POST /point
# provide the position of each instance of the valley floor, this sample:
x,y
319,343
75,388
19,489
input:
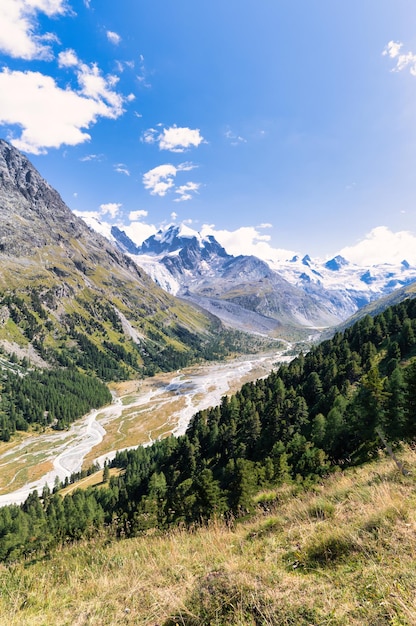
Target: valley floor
x,y
143,410
341,554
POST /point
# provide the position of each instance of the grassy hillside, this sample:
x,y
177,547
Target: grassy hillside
x,y
342,553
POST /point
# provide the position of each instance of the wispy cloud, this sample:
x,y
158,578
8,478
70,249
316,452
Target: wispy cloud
x,y
19,27
120,168
113,37
174,138
91,157
402,60
143,74
185,191
233,138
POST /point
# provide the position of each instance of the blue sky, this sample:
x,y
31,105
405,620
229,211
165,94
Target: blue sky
x,y
277,125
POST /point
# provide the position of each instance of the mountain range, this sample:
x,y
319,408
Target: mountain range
x,y
250,294
71,296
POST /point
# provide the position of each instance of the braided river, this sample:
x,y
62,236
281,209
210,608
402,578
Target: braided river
x,y
142,411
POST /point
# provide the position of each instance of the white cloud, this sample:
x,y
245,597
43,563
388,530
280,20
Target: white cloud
x,y
18,27
50,116
88,214
137,215
143,73
185,191
187,166
68,58
174,215
139,231
174,139
403,61
247,240
381,245
122,169
94,85
161,179
113,37
110,208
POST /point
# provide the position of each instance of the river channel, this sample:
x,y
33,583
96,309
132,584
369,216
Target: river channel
x,y
141,412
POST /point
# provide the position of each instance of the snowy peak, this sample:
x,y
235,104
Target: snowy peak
x,y
170,240
336,263
177,238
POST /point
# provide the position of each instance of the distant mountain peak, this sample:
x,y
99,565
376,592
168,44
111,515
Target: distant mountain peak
x,y
336,263
179,237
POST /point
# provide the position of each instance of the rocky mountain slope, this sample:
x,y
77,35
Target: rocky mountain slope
x,y
70,297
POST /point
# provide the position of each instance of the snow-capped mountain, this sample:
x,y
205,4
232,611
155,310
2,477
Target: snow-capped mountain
x,y
244,291
250,294
359,285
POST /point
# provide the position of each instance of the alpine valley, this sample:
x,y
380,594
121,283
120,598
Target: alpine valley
x,y
278,506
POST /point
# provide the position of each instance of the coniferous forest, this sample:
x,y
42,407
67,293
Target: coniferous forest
x,y
327,409
47,398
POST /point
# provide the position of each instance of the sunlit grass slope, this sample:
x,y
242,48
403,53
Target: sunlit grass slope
x,y
343,553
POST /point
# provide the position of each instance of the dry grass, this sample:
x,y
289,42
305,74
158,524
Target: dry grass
x,y
342,554
94,480
138,425
22,471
